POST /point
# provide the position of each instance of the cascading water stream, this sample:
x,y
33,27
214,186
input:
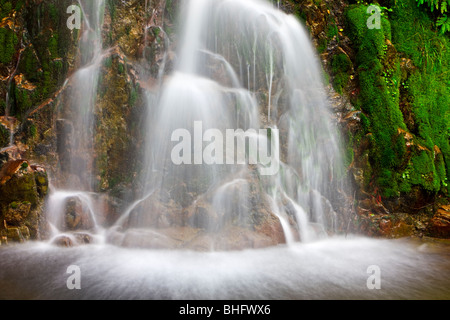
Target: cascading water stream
x,y
84,83
281,89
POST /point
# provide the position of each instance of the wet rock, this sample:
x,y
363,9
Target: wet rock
x,y
3,240
77,215
440,223
23,187
358,177
385,225
17,182
14,234
154,212
182,195
63,241
271,227
73,239
17,213
203,216
41,180
396,225
235,238
229,238
374,205
146,238
83,238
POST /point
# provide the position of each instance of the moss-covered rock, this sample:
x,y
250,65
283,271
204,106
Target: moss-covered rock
x,y
23,189
36,53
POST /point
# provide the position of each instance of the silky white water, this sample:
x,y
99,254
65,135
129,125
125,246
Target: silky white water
x,y
79,182
242,66
327,269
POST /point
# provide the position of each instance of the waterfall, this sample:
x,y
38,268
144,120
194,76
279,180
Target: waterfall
x,y
207,95
229,155
246,72
80,119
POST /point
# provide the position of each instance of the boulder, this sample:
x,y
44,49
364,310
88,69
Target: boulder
x,y
77,215
439,225
63,241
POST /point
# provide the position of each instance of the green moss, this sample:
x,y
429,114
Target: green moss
x,y
33,130
19,4
29,65
424,173
121,68
427,89
340,68
424,88
112,9
133,96
53,46
4,136
332,31
379,78
53,12
5,9
8,42
107,62
22,102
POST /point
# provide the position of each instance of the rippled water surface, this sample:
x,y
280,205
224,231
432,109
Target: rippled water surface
x,y
329,269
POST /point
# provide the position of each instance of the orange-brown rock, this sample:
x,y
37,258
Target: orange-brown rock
x,y
440,223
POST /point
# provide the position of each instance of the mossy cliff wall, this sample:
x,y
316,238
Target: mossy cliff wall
x,y
394,83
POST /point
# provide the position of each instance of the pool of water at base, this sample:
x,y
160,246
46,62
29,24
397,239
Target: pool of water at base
x,y
333,268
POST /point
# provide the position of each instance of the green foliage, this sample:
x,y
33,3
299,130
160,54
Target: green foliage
x,y
443,23
439,7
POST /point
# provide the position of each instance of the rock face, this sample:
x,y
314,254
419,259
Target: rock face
x,y
23,187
